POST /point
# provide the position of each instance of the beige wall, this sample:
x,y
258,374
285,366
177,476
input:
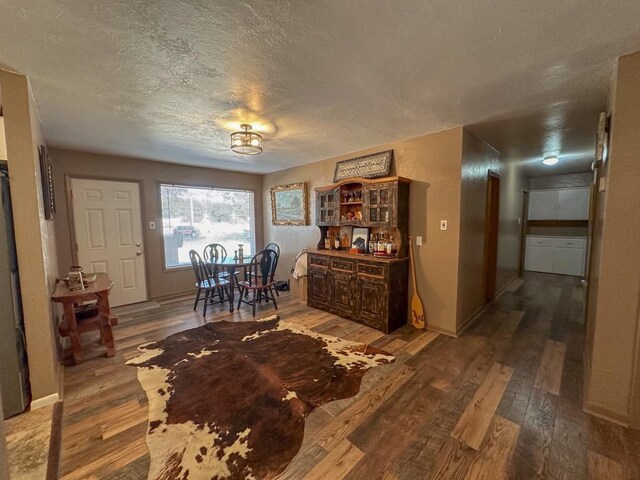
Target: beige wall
x,y
581,179
432,162
35,237
512,185
4,458
477,159
614,287
160,282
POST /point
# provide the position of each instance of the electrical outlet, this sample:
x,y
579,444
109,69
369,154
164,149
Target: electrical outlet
x,y
418,240
443,224
152,225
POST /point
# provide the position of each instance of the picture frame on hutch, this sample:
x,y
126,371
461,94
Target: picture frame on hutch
x,y
360,239
290,204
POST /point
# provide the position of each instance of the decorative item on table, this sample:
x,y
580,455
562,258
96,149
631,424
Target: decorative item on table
x,y
74,278
235,255
369,166
290,204
360,239
240,253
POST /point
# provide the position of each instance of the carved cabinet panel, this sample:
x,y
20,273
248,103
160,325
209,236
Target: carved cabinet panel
x,y
318,285
368,291
343,293
372,301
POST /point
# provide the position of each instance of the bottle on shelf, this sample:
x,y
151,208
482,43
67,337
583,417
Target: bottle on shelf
x,y
381,247
371,246
394,247
388,245
336,242
327,243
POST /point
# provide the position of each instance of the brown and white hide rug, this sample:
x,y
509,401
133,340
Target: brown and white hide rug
x,y
228,400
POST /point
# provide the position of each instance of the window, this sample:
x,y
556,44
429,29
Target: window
x,y
194,217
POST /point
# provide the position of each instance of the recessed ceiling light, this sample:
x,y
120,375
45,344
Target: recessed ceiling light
x,y
550,160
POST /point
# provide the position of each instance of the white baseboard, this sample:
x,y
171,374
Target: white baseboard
x,y
44,401
605,413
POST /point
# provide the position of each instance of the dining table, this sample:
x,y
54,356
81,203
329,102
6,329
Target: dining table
x,y
232,266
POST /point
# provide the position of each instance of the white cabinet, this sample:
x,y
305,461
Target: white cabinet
x,y
561,204
562,255
573,204
543,204
568,261
539,259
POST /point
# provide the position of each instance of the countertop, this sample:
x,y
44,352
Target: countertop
x,y
353,256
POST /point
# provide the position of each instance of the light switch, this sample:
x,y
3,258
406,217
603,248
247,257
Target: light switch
x,y
443,224
418,240
152,225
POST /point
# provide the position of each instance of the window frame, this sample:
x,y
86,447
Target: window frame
x,y
160,184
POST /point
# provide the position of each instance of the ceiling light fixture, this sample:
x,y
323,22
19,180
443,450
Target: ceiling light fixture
x,y
245,142
550,160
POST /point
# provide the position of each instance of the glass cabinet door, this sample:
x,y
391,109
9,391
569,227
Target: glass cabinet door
x,y
380,205
327,207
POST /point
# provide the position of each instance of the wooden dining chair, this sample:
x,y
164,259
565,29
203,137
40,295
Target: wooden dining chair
x,y
276,248
209,282
260,281
213,253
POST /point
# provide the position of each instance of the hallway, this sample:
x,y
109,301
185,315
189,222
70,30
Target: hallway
x,y
501,401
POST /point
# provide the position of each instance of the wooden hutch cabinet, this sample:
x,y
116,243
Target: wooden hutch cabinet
x,y
361,287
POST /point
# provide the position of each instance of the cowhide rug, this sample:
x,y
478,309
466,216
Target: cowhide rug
x,y
228,400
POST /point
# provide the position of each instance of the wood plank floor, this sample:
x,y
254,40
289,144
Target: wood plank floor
x,y
501,401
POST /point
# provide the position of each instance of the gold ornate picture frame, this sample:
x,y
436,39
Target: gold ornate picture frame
x,y
290,204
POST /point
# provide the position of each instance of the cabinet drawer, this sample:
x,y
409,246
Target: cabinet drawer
x,y
318,261
542,241
572,242
371,270
342,265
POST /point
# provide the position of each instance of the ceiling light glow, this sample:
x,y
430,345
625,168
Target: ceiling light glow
x,y
550,160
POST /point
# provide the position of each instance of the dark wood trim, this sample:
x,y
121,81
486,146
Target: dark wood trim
x,y
55,443
558,223
523,229
361,180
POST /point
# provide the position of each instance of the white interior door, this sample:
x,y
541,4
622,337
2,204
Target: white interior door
x,y
108,228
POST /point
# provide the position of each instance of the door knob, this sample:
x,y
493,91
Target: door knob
x,y
138,253
138,244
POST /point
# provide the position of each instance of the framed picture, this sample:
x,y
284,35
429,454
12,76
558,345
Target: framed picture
x,y
290,204
48,194
360,238
369,166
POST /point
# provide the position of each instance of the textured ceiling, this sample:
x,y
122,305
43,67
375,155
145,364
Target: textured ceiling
x,y
170,79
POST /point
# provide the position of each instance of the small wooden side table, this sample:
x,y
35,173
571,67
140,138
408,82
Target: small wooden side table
x,y
72,327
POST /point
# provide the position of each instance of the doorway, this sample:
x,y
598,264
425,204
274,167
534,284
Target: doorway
x,y
491,228
108,231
